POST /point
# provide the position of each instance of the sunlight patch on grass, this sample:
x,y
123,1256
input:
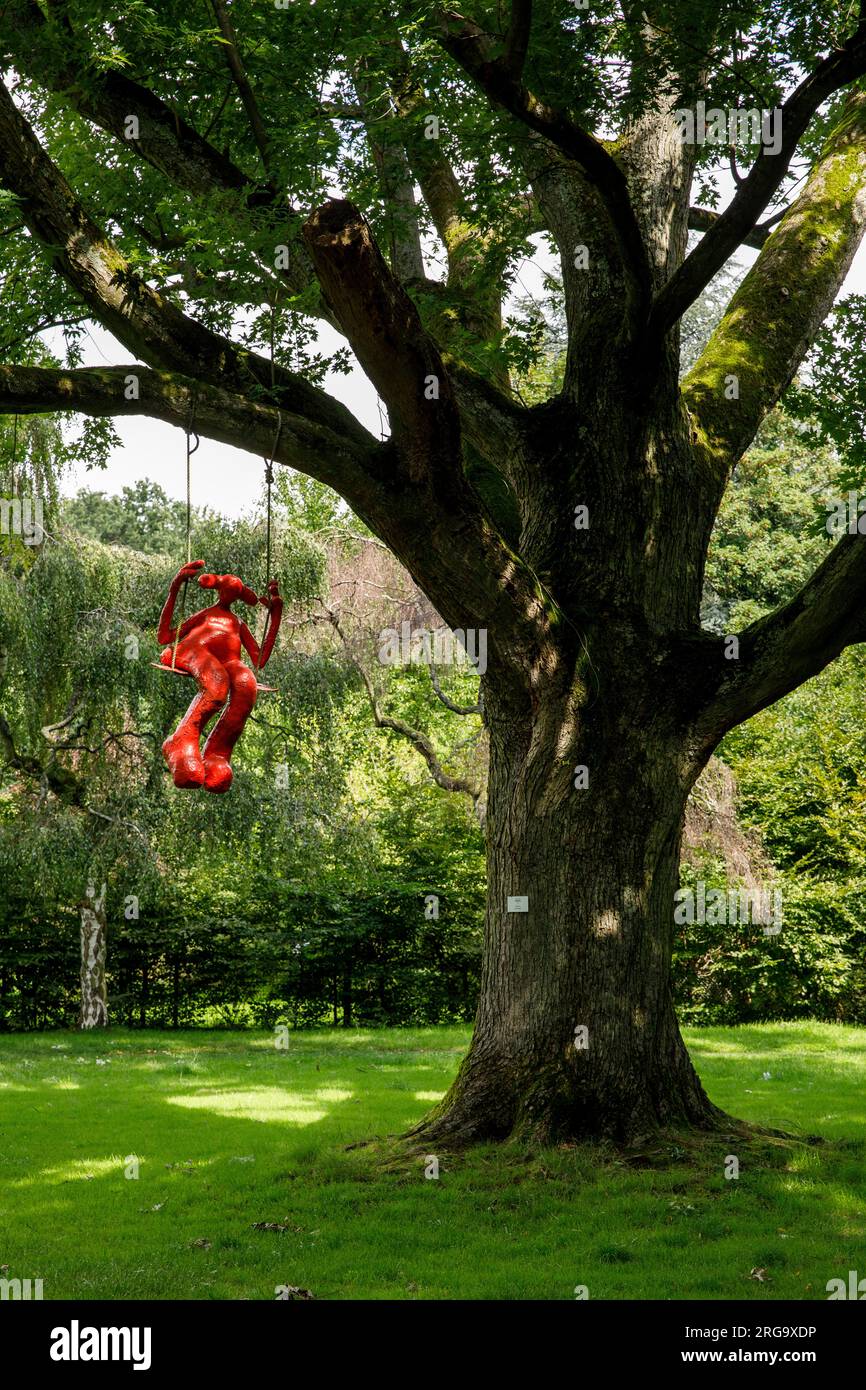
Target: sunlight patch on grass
x,y
76,1170
264,1104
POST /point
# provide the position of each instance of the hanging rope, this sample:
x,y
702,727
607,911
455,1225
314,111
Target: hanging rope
x,y
13,479
269,462
190,450
269,480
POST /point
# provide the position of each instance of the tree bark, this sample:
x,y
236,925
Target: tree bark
x,y
94,995
599,867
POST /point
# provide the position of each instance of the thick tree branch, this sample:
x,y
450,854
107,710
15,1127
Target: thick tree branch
x,y
165,140
476,256
491,421
466,247
773,317
840,68
571,210
358,473
383,327
781,651
470,47
436,177
456,555
458,558
140,318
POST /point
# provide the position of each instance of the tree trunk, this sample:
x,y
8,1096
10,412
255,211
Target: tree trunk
x,y
94,997
575,1033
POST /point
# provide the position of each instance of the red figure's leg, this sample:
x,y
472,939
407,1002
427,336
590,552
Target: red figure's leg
x,y
218,749
181,751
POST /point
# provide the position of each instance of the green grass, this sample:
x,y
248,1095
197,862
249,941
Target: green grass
x,y
228,1131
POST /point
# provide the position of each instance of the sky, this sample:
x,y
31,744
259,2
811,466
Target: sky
x,y
229,480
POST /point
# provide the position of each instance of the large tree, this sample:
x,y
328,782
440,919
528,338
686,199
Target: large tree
x,y
174,171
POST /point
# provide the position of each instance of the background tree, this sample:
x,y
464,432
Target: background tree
x,y
141,518
186,205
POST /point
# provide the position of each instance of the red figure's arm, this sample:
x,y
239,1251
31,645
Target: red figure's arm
x,y
274,605
251,645
166,632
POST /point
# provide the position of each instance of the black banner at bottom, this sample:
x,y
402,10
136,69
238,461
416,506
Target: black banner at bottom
x,y
63,1339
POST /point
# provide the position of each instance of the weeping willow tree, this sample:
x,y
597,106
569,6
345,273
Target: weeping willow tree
x,y
83,714
76,718
209,183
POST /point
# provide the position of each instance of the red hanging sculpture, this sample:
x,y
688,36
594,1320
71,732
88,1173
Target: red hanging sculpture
x,y
209,648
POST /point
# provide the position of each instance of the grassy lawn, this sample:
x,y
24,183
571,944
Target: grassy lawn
x,y
228,1131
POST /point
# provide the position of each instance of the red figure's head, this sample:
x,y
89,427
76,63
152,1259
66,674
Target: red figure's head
x,y
230,588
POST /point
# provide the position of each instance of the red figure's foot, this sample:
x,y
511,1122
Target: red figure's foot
x,y
184,761
217,774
